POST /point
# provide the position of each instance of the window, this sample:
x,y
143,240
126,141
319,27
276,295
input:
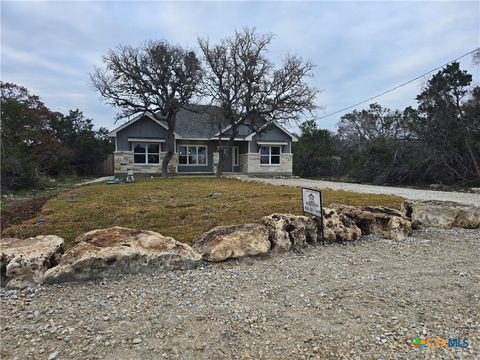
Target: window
x,y
270,155
192,155
145,153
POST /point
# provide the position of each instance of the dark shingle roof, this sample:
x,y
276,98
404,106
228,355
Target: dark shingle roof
x,y
199,121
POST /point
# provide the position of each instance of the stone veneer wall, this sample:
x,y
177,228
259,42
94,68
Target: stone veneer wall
x,y
250,164
123,161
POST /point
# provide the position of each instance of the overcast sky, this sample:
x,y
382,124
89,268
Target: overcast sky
x,y
360,49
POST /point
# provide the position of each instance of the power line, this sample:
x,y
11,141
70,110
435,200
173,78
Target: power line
x,y
398,86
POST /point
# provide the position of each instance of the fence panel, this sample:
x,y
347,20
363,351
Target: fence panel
x,y
104,167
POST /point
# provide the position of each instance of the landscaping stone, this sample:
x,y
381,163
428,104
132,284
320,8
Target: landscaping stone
x,y
378,220
444,214
24,261
338,227
226,242
331,302
118,250
287,231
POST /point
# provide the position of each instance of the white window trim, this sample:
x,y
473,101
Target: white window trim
x,y
270,155
195,146
271,143
146,153
144,140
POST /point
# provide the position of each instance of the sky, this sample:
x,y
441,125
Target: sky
x,y
359,49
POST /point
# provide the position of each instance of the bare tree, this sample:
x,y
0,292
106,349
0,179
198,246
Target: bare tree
x,y
243,82
156,78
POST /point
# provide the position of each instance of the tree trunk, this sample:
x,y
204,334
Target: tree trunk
x,y
169,144
221,163
472,156
222,159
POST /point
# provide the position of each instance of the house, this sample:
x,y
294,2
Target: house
x,y
140,146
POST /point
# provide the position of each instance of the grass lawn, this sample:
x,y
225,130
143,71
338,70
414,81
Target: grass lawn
x,y
178,207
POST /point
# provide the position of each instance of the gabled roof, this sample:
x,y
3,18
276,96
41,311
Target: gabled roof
x,y
200,122
292,136
163,124
197,121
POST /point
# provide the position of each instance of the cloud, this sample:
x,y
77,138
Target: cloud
x,y
360,48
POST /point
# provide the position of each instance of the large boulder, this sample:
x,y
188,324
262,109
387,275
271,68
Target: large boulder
x,y
378,220
24,261
287,231
443,214
118,250
338,227
224,242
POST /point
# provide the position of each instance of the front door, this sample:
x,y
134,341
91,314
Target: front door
x,y
231,156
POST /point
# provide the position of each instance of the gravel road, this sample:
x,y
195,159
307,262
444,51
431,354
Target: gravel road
x,y
407,193
363,301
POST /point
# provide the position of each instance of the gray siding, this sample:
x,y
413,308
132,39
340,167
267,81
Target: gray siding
x,y
143,128
245,130
243,147
211,146
273,134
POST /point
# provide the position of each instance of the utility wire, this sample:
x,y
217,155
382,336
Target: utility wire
x,y
398,86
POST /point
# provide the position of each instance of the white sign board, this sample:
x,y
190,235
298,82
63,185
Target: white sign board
x,y
312,202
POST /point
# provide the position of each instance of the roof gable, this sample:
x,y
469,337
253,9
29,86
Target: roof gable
x,y
114,132
200,122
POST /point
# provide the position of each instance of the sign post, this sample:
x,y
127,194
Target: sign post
x,y
313,204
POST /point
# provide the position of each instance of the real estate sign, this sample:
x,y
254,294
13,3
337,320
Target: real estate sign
x,y
312,202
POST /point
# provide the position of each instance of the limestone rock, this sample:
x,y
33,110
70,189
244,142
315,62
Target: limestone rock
x,y
224,242
378,220
443,214
118,250
287,230
338,227
24,261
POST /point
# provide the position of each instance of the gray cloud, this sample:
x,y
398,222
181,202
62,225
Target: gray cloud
x,y
359,48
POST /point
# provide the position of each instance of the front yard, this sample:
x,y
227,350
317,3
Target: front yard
x,y
178,207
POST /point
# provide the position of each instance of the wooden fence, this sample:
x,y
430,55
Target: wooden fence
x,y
104,167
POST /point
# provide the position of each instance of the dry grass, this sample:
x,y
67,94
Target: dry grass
x,y
178,207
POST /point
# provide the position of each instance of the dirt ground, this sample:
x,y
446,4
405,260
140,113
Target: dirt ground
x,y
22,210
363,301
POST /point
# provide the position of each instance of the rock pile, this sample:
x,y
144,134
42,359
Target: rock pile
x,y
378,220
24,261
290,231
118,250
224,242
338,227
442,214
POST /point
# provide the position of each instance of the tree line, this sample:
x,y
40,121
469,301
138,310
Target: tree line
x,y
37,142
438,142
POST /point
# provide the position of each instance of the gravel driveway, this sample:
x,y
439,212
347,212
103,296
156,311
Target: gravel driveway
x,y
411,194
363,301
